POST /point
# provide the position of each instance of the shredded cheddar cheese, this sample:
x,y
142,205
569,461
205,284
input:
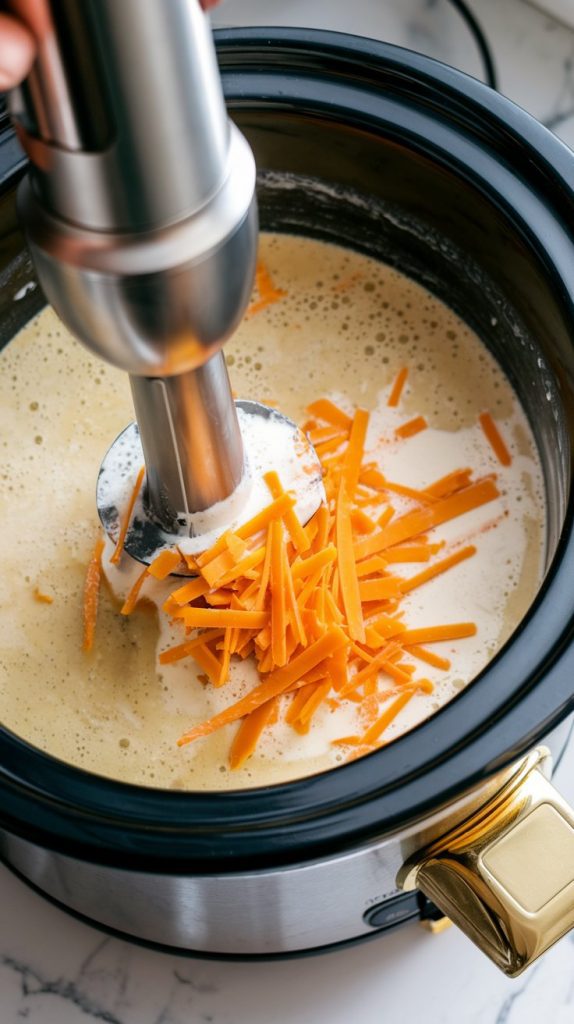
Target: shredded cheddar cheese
x,y
318,607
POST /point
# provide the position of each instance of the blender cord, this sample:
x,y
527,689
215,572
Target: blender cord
x,y
481,41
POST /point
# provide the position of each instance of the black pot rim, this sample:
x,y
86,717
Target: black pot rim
x,y
522,695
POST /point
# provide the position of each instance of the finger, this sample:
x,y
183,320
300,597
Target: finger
x,y
17,52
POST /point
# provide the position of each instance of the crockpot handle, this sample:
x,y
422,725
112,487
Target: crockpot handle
x,y
505,876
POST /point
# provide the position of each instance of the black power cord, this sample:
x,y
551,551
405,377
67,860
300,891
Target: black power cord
x,y
481,41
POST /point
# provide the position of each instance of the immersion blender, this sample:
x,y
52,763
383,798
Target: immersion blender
x,y
141,218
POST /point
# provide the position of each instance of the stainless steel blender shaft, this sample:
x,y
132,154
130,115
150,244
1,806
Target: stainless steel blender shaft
x,y
141,219
205,460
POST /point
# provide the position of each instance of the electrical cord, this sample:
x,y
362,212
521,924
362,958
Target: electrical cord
x,y
480,40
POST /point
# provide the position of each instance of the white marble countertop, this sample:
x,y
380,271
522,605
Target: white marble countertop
x,y
56,970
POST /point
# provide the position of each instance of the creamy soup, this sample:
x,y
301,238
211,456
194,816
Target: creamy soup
x,y
344,328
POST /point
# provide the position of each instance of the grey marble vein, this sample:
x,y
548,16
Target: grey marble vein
x,y
93,955
508,1004
569,998
33,984
182,1000
563,107
105,973
203,987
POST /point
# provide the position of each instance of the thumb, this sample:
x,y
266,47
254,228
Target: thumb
x,y
17,51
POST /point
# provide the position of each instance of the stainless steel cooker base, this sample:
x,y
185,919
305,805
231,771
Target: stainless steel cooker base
x,y
287,910
405,909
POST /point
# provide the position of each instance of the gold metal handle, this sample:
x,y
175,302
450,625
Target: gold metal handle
x,y
505,876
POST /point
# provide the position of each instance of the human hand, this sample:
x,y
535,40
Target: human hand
x,y
18,48
17,51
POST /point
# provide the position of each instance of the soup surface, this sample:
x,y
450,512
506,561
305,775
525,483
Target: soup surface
x,y
343,330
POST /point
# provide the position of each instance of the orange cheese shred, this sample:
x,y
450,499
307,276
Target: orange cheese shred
x,y
268,293
431,634
278,604
439,567
409,553
184,650
304,567
361,522
249,731
91,594
295,619
347,568
298,701
323,525
276,510
250,561
165,563
411,427
449,484
277,682
354,451
414,523
223,617
371,565
207,660
494,438
318,435
294,528
373,733
397,388
132,598
379,589
429,657
225,656
313,702
189,592
117,554
326,410
265,575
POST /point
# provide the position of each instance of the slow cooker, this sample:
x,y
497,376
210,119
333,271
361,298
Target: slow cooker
x,y
418,165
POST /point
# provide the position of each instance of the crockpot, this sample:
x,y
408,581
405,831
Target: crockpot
x,y
416,164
